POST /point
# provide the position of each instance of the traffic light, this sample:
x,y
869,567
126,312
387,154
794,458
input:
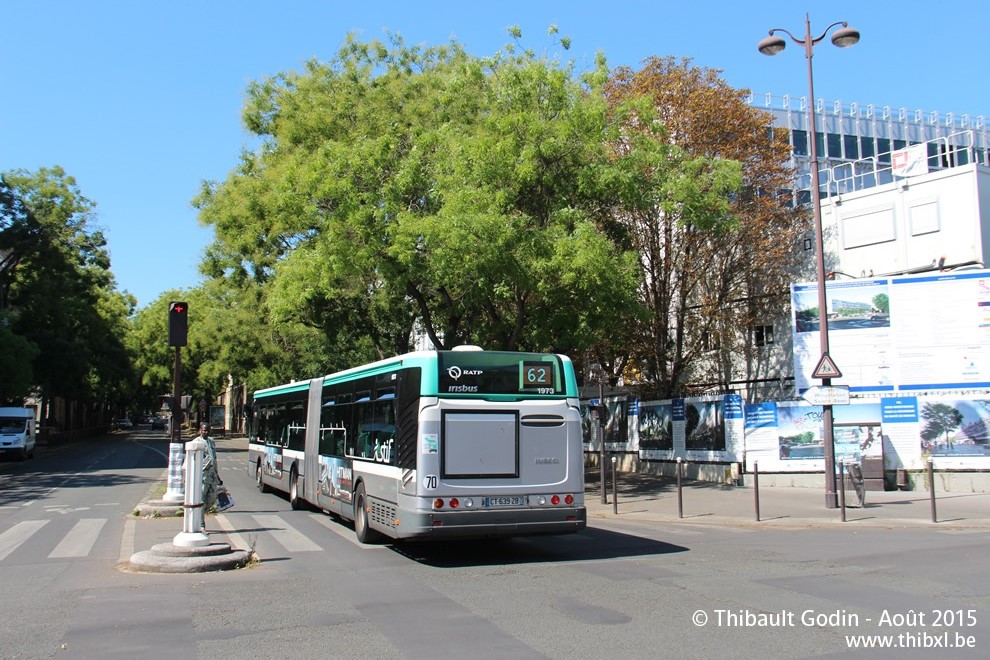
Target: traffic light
x,y
178,323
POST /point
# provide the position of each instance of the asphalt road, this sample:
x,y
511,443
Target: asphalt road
x,y
620,589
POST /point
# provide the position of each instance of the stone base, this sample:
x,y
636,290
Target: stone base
x,y
160,508
170,558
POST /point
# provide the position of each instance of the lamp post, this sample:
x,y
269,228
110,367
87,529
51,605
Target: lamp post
x,y
771,45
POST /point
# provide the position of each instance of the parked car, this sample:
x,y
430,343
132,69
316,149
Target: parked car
x,y
123,423
157,423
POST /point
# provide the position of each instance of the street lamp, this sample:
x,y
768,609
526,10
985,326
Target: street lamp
x,y
771,45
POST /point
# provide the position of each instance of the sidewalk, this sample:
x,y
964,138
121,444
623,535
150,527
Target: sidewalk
x,y
643,497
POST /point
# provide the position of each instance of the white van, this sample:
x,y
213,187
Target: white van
x,y
17,432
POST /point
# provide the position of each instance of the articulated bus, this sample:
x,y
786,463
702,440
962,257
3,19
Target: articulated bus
x,y
434,444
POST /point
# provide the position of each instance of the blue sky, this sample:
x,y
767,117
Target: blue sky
x,y
140,101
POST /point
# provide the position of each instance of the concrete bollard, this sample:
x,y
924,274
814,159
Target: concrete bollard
x,y
756,488
931,487
615,490
191,535
174,492
842,490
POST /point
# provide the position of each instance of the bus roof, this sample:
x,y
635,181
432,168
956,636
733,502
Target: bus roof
x,y
414,359
381,366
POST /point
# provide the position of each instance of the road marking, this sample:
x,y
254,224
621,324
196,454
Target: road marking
x,y
80,539
657,529
127,540
236,540
342,531
58,508
286,535
18,534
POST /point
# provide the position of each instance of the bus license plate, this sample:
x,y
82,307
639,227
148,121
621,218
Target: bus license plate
x,y
494,502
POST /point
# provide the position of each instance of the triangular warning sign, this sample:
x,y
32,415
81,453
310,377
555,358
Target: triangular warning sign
x,y
826,368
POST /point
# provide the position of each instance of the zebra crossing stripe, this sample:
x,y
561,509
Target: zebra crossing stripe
x,y
343,532
233,536
286,535
18,534
80,539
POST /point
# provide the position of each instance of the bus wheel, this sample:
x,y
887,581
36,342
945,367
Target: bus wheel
x,y
361,529
294,500
258,478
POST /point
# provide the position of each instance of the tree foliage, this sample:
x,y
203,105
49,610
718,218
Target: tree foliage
x,y
60,297
717,246
401,187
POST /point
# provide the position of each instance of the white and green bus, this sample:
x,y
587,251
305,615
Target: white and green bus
x,y
434,444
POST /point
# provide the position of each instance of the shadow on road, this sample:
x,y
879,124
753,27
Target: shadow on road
x,y
591,544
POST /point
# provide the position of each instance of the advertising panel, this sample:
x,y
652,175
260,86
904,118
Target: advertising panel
x,y
895,334
703,429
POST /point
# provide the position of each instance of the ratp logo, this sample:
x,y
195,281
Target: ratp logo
x,y
456,372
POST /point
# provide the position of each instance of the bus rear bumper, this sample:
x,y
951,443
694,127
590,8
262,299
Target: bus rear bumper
x,y
487,524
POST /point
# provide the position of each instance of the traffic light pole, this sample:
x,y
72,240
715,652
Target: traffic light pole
x,y
176,430
176,450
178,331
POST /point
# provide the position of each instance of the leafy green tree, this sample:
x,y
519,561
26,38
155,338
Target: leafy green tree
x,y
61,293
233,341
718,248
20,236
881,302
401,186
16,355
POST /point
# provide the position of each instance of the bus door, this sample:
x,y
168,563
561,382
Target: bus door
x,y
546,430
333,490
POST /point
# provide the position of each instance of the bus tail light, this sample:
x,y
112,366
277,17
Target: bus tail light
x,y
553,500
453,503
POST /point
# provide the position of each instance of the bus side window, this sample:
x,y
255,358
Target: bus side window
x,y
362,444
384,430
332,441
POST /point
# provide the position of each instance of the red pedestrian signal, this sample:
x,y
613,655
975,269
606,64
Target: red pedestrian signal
x,y
178,323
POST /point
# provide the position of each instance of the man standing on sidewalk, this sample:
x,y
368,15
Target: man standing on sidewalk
x,y
211,476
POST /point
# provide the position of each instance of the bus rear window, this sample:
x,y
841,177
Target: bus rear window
x,y
493,372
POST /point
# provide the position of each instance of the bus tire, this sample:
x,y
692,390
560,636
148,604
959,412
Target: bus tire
x,y
361,529
259,478
294,500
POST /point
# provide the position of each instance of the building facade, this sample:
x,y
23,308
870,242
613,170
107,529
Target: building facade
x,y
902,191
855,142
